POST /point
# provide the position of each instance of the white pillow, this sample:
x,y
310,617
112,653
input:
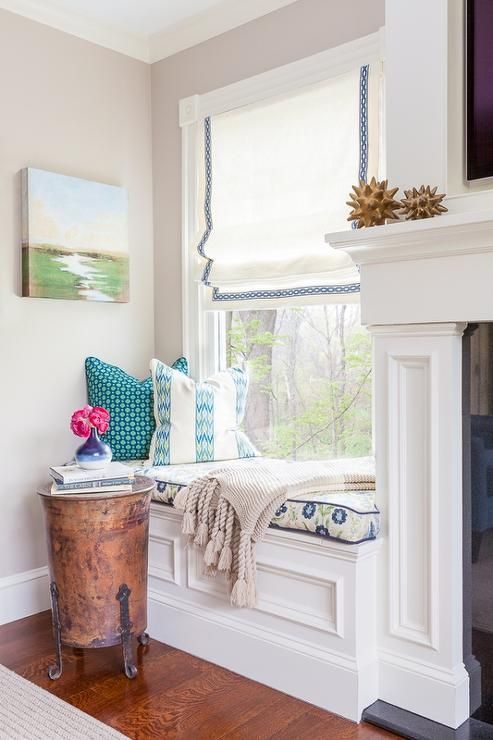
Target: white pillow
x,y
198,422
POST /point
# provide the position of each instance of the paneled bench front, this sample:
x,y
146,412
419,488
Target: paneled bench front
x,y
312,634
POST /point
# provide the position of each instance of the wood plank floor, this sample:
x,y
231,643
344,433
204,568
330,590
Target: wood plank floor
x,y
174,695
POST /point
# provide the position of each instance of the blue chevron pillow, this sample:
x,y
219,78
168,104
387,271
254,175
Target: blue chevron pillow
x,y
198,422
130,403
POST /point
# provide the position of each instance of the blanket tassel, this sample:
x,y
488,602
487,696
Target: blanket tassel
x,y
225,559
188,526
202,535
180,500
211,556
239,593
219,542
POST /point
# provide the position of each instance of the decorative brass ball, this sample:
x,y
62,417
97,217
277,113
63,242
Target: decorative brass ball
x,y
424,202
372,203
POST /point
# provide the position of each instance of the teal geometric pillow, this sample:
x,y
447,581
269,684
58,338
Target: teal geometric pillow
x,y
131,406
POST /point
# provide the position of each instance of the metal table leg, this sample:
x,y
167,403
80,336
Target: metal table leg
x,y
55,671
125,629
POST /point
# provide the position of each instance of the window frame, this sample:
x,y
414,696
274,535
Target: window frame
x,y
202,329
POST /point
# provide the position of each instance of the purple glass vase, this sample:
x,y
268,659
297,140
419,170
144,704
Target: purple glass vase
x,y
93,454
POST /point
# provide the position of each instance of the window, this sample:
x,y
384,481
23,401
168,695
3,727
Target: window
x,y
267,167
310,379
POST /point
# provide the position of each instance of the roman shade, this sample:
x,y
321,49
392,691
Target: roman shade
x,y
276,176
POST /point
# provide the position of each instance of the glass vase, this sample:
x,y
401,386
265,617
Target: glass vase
x,y
94,454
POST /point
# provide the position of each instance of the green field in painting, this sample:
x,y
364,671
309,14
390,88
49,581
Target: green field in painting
x,y
52,272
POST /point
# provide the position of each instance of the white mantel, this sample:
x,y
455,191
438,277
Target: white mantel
x,y
421,282
434,270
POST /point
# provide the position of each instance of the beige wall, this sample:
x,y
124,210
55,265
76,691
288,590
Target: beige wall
x,y
294,32
75,108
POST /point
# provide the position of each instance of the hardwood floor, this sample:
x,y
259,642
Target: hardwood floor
x,y
174,695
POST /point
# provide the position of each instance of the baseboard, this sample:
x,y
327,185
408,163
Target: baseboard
x,y
24,594
330,681
427,690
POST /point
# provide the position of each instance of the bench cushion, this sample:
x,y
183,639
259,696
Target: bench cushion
x,y
347,516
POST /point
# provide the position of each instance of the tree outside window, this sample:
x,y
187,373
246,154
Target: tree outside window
x,y
310,380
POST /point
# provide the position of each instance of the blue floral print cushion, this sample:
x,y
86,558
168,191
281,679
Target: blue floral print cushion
x,y
131,405
347,516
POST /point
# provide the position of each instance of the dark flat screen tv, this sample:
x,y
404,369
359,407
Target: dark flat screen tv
x,y
479,89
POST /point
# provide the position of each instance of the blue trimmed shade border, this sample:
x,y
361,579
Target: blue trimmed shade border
x,y
363,127
341,290
130,403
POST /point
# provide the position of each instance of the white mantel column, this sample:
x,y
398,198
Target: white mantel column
x,y
418,439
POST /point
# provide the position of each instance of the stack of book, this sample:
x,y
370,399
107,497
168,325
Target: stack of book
x,y
72,480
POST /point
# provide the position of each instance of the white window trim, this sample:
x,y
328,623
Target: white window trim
x,y
200,328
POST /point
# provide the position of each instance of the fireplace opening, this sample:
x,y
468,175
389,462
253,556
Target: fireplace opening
x,y
478,517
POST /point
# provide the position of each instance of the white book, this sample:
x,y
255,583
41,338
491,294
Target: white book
x,y
90,491
74,474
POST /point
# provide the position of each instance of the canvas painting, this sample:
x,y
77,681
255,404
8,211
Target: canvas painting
x,y
74,238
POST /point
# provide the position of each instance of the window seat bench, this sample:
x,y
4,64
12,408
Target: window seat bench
x,y
312,634
347,516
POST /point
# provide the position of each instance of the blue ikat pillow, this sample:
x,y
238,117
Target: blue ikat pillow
x,y
131,405
199,422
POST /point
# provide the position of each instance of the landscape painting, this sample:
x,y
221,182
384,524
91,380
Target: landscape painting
x,y
74,238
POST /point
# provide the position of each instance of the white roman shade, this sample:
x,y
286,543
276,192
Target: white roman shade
x,y
276,178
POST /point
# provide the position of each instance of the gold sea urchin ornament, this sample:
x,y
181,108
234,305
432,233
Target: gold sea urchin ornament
x,y
422,203
372,203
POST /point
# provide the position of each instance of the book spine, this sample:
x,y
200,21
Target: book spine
x,y
92,492
100,483
57,478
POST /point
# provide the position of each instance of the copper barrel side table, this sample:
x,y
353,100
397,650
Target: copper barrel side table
x,y
97,557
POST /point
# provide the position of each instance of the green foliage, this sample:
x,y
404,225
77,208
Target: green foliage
x,y
243,339
315,369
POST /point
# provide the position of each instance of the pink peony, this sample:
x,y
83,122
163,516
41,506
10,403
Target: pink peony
x,y
103,413
83,420
95,419
80,426
79,414
99,418
79,423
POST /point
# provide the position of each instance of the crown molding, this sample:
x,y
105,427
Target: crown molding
x,y
223,16
42,11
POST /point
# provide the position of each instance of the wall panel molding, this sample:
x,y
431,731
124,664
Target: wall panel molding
x,y
305,597
164,550
413,576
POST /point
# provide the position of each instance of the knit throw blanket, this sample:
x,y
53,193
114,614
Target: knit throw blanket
x,y
229,510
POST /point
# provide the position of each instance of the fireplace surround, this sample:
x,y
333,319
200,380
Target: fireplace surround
x,y
422,283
